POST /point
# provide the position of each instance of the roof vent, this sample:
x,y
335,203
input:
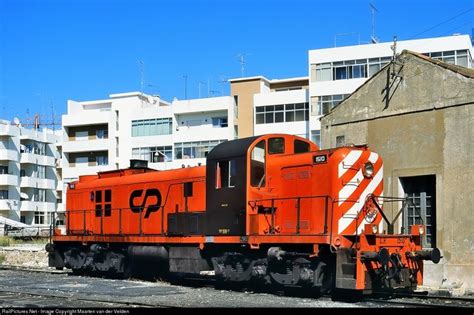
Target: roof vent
x,y
138,164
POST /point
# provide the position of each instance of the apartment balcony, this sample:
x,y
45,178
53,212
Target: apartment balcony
x,y
8,180
87,145
202,133
37,206
60,207
78,170
203,105
60,185
9,204
9,130
37,159
88,117
9,155
33,182
37,135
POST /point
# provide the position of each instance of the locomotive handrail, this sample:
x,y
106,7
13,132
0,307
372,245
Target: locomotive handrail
x,y
405,202
253,204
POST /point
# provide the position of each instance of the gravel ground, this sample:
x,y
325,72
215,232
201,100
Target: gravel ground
x,y
27,255
159,294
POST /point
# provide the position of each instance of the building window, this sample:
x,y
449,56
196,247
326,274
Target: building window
x,y
328,102
3,169
35,148
39,195
41,171
152,127
281,113
39,217
462,58
194,150
102,160
82,160
458,57
219,122
323,72
3,194
316,137
154,154
102,134
340,141
348,69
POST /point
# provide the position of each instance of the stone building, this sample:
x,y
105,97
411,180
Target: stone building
x,y
418,114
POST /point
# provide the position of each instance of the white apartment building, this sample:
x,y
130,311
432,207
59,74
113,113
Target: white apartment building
x,y
106,134
30,185
267,106
334,73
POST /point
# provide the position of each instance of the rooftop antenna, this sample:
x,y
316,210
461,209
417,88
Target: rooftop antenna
x,y
373,10
200,83
242,62
222,80
142,76
52,113
185,77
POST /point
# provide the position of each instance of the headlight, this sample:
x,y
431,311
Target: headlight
x,y
368,169
375,229
421,229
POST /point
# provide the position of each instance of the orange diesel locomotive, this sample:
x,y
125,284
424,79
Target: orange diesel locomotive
x,y
270,209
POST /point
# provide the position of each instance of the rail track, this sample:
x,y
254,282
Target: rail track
x,y
423,300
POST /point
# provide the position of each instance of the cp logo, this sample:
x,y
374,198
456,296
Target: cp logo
x,y
152,192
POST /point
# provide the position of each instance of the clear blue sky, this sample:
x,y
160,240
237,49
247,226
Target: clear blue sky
x,y
52,50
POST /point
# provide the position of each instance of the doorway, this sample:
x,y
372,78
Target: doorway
x,y
421,191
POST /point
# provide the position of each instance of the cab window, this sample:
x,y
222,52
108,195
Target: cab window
x,y
257,165
276,145
226,172
301,146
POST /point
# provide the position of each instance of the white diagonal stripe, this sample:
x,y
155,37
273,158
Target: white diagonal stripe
x,y
373,157
350,187
350,215
348,161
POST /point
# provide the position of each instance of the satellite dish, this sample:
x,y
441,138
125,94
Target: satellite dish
x,y
16,121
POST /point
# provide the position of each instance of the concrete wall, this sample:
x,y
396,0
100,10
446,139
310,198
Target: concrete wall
x,y
245,91
424,129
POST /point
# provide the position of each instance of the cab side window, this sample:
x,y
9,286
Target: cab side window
x,y
257,165
276,145
301,146
226,172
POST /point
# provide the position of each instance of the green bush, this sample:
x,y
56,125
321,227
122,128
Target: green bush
x,y
2,258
